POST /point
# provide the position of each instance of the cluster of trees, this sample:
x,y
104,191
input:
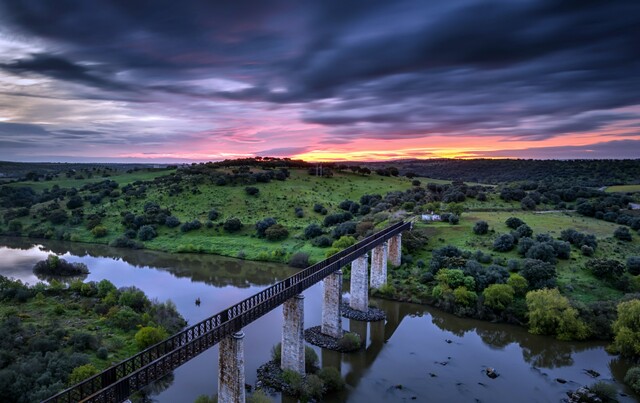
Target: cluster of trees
x,y
54,266
270,229
40,358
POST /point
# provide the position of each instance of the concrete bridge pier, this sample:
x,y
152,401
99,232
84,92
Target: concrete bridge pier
x,y
359,284
331,317
292,354
231,369
395,250
379,256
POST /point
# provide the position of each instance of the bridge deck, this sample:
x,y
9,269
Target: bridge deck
x,y
118,382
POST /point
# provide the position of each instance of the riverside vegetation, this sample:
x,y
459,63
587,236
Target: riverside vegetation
x,y
557,254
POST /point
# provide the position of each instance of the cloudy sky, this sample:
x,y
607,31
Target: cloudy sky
x,y
168,80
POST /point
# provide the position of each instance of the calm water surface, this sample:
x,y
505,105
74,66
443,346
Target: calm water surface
x,y
418,353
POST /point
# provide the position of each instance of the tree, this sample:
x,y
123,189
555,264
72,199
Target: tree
x,y
514,222
498,296
148,336
542,251
213,214
633,265
232,225
538,274
623,234
518,283
81,373
550,313
74,202
523,231
626,329
312,231
605,268
480,228
504,243
147,233
276,232
263,225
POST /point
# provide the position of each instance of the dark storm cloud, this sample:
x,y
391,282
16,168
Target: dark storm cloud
x,y
60,68
378,69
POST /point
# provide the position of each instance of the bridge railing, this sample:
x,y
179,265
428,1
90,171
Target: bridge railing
x,y
121,380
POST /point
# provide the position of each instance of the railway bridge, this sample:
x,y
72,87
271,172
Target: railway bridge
x,y
118,382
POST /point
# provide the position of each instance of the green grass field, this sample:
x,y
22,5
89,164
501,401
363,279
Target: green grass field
x,y
623,188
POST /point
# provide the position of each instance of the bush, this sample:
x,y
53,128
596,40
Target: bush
x,y
81,373
232,225
310,359
102,353
99,231
538,274
542,251
518,284
498,296
464,296
74,202
299,260
605,268
504,243
124,242
550,313
632,378
322,241
345,228
191,225
263,225
633,265
605,391
213,215
514,222
523,231
276,232
55,266
333,380
480,228
318,207
147,233
252,191
148,336
454,219
350,341
586,250
344,242
626,329
623,234
276,353
333,219
171,221
312,231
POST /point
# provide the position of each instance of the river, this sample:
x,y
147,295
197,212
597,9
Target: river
x,y
419,353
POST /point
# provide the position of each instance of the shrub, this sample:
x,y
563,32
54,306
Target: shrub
x,y
310,359
276,353
605,268
633,265
523,231
276,232
102,353
299,260
514,222
55,266
312,231
263,225
99,231
345,228
232,225
252,191
58,217
191,225
632,378
480,228
74,202
171,221
133,298
350,341
333,380
538,274
586,250
213,215
344,242
317,207
314,387
498,296
81,373
124,242
148,336
604,390
550,313
626,329
623,234
147,233
542,251
464,296
454,219
322,241
337,218
518,284
504,243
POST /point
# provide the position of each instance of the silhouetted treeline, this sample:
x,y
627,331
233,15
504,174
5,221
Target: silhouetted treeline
x,y
578,172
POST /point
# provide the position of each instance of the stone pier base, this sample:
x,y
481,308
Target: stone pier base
x,y
331,318
379,256
359,284
292,355
231,369
395,250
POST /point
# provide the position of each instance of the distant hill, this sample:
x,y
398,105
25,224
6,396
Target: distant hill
x,y
594,173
